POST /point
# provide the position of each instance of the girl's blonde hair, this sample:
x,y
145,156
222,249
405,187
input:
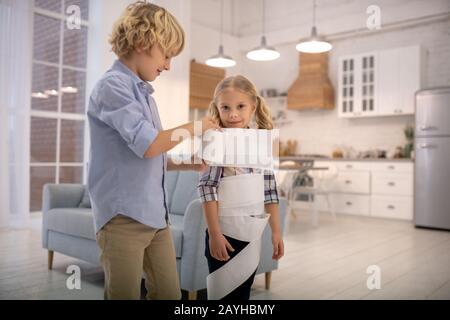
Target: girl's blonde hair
x,y
143,25
262,114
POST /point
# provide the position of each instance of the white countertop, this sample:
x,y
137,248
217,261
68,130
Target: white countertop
x,y
300,158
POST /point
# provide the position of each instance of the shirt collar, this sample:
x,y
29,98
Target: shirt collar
x,y
120,66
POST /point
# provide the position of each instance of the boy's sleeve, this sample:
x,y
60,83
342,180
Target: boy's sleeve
x,y
209,183
121,111
270,188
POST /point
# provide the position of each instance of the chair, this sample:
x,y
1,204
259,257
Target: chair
x,y
68,228
322,186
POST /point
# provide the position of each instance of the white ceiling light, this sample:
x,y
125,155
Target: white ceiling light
x,y
263,52
315,43
221,60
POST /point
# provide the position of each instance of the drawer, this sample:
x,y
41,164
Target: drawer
x,y
392,207
393,167
353,165
392,184
351,203
352,182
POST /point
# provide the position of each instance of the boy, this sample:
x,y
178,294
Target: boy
x,y
128,160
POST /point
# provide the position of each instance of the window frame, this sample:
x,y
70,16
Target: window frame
x,y
58,114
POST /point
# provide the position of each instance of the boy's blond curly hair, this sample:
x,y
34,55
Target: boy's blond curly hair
x,y
263,116
143,25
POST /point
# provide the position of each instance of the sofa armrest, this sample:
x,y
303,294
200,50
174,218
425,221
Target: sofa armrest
x,y
194,267
59,196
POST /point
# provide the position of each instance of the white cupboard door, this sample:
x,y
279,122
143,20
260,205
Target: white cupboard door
x,y
352,182
351,203
346,96
410,77
392,207
394,184
388,82
367,74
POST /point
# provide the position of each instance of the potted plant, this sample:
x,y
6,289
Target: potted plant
x,y
408,150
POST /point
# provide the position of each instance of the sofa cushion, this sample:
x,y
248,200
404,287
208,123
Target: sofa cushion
x,y
86,200
185,191
176,228
77,222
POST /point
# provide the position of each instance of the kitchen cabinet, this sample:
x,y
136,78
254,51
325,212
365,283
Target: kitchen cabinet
x,y
381,83
371,188
350,189
202,83
357,85
399,77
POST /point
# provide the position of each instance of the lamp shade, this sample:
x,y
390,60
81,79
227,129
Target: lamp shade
x,y
263,52
314,44
220,60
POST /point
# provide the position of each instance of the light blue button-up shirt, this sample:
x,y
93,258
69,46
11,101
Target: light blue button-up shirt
x,y
123,122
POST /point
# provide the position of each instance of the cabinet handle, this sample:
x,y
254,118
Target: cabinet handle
x,y
349,166
426,146
348,181
391,167
426,128
349,203
391,184
391,207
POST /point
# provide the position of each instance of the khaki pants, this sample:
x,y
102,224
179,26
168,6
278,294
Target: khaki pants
x,y
128,248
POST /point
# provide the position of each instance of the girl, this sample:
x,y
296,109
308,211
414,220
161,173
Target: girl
x,y
235,103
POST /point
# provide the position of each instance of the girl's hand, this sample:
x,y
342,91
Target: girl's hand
x,y
218,246
278,246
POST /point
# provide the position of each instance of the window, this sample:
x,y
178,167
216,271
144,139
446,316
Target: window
x,y
58,96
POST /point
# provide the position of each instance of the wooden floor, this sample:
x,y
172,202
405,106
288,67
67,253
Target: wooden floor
x,y
326,262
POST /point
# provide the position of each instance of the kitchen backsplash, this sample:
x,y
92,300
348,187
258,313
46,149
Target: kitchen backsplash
x,y
321,132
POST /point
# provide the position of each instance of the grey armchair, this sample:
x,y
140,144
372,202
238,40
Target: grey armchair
x,y
69,229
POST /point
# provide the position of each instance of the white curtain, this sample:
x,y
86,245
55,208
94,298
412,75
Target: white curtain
x,y
15,89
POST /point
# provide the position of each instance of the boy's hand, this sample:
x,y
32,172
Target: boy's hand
x,y
218,246
209,123
278,246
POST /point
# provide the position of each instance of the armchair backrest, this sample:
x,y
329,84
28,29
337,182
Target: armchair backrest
x,y
181,189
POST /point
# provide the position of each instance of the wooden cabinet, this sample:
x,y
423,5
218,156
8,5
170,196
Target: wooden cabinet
x,y
381,83
202,83
312,89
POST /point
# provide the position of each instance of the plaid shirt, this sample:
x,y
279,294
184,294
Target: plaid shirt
x,y
210,181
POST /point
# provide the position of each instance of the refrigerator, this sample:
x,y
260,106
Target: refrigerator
x,y
432,159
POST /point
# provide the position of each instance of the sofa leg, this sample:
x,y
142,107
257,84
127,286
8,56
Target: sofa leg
x,y
268,278
50,260
192,295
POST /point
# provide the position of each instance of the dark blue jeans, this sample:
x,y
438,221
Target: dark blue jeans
x,y
243,291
